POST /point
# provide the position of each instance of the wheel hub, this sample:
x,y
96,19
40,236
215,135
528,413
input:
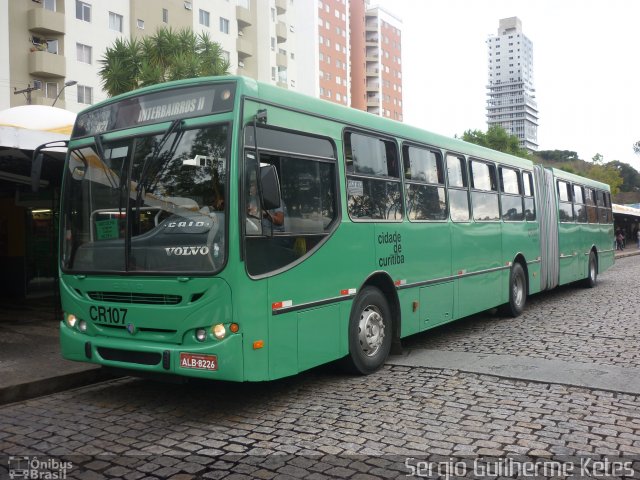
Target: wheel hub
x,y
370,330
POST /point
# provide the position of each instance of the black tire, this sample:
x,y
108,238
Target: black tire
x,y
370,332
517,291
592,272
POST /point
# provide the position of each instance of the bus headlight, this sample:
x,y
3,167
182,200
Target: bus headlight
x,y
201,334
71,320
219,331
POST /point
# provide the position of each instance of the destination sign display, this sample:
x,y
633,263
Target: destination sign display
x,y
178,103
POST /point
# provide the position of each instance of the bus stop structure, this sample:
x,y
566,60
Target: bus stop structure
x,y
627,219
27,218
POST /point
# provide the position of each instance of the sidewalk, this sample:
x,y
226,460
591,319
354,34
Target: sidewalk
x,y
30,361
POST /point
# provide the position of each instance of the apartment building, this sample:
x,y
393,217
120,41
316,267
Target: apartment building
x,y
341,50
53,47
511,99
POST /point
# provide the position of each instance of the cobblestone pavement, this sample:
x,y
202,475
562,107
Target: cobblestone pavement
x,y
323,424
600,325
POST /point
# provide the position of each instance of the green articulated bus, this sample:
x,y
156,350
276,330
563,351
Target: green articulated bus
x,y
226,229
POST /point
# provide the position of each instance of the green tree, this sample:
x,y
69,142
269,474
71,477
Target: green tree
x,y
166,55
557,155
630,176
496,138
606,174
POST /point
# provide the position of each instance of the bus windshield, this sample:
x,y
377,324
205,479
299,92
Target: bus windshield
x,y
151,203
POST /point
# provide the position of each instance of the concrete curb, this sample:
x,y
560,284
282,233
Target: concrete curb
x,y
46,386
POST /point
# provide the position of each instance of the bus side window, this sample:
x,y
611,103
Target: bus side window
x,y
424,186
484,191
603,211
590,200
529,202
373,178
565,207
511,195
309,207
579,207
458,188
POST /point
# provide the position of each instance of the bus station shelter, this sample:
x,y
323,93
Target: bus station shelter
x,y
27,218
627,219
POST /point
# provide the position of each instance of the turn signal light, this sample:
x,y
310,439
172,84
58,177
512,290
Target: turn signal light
x,y
234,327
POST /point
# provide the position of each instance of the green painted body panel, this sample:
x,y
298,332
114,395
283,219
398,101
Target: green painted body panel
x,y
435,272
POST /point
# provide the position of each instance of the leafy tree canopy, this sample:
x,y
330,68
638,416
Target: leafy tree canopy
x,y
557,155
166,55
496,138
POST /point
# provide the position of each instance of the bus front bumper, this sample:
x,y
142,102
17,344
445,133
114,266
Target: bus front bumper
x,y
220,360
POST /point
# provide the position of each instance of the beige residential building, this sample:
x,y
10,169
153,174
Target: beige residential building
x,y
344,51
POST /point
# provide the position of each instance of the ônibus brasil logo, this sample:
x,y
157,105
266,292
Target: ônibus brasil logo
x,y
184,251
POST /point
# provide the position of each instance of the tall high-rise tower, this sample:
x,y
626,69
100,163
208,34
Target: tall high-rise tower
x,y
511,103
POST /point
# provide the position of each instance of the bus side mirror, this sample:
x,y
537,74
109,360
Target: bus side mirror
x,y
36,170
38,158
270,184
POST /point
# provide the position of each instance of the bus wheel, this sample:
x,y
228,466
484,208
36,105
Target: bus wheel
x,y
370,332
592,274
517,291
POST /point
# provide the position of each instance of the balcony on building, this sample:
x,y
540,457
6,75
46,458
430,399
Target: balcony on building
x,y
373,100
244,47
372,39
47,65
371,25
281,32
281,7
281,59
373,84
44,21
373,71
243,16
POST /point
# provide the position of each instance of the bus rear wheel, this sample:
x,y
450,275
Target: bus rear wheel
x,y
592,272
517,291
370,332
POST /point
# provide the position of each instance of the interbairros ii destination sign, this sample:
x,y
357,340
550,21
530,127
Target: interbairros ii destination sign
x,y
177,103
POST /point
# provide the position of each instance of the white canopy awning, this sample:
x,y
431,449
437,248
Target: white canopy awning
x,y
28,126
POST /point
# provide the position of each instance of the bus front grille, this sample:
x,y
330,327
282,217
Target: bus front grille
x,y
139,298
130,356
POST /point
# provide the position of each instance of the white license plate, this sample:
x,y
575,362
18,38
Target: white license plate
x,y
198,361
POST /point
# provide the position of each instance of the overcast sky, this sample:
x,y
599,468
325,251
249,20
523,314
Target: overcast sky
x,y
586,67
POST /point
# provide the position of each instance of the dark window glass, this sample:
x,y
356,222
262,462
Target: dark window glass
x,y
512,208
527,182
278,237
371,199
371,156
424,173
423,165
578,197
564,194
529,209
483,176
592,211
565,212
579,208
456,171
426,202
509,181
485,206
459,205
373,184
